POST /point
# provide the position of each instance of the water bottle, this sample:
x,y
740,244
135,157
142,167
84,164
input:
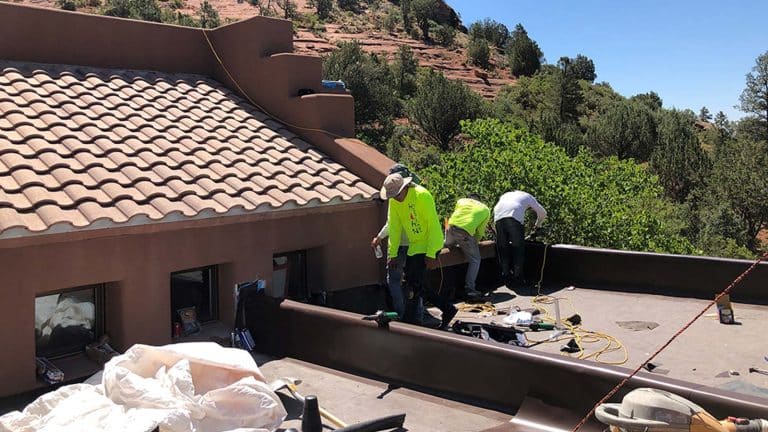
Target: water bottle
x,y
379,253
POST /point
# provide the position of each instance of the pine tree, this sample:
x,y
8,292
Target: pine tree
x,y
524,55
754,98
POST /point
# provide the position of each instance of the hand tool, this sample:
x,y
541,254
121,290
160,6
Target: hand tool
x,y
290,384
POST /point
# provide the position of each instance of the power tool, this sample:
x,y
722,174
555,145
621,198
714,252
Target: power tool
x,y
382,318
653,410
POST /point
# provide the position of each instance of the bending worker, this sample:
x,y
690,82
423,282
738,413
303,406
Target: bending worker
x,y
509,220
395,271
466,228
412,210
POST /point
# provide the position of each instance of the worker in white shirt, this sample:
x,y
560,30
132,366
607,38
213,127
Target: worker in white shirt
x,y
509,224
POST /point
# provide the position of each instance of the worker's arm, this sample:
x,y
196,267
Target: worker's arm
x,y
541,214
383,233
395,229
480,233
434,230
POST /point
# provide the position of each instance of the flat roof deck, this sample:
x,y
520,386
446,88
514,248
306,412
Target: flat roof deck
x,y
354,399
707,353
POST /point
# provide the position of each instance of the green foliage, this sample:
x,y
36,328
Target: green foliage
x,y
597,98
405,11
391,20
490,30
349,5
444,35
626,129
369,79
568,95
290,11
440,104
145,10
678,159
424,11
582,68
68,5
324,8
650,100
754,98
404,69
209,16
479,53
704,114
523,54
738,190
593,202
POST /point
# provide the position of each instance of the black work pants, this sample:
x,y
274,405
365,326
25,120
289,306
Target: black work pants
x,y
416,286
510,250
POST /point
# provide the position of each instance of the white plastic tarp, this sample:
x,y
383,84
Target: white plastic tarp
x,y
188,387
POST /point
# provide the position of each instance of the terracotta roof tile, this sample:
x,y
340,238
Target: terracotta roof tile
x,y
93,148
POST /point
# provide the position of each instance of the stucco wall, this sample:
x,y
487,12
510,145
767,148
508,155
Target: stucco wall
x,y
138,267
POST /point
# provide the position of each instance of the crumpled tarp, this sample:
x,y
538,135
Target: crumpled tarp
x,y
187,387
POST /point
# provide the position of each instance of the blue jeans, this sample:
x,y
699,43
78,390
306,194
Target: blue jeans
x,y
395,285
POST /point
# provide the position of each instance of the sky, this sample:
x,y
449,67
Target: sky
x,y
692,53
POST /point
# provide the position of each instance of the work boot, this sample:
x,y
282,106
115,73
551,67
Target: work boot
x,y
472,293
448,316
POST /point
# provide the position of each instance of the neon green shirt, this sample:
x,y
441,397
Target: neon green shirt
x,y
417,217
472,216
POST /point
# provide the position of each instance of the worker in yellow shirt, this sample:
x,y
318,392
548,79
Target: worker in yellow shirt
x,y
466,227
412,211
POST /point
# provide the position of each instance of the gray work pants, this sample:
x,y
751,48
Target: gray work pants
x,y
471,249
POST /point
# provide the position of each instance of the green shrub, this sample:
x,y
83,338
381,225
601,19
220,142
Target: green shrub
x,y
591,202
391,20
68,5
445,35
479,53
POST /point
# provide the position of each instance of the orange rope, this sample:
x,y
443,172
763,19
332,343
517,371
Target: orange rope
x,y
221,63
663,347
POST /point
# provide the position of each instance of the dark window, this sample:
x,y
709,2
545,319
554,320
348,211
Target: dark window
x,y
289,275
67,321
198,288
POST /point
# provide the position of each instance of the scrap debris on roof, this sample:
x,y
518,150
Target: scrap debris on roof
x,y
84,148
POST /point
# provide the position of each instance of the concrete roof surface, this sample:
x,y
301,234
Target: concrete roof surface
x,y
707,353
88,147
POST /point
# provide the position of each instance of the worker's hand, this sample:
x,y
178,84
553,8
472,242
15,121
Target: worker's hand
x,y
375,242
391,263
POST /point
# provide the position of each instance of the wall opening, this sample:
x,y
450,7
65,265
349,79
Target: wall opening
x,y
68,320
289,275
194,297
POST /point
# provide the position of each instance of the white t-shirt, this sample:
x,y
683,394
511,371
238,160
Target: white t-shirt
x,y
514,204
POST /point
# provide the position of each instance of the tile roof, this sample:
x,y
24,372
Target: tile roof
x,y
91,148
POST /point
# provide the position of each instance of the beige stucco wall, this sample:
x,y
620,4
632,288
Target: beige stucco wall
x,y
138,267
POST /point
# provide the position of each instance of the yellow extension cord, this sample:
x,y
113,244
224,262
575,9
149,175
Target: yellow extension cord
x,y
581,336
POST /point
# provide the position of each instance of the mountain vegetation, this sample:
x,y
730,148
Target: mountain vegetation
x,y
618,171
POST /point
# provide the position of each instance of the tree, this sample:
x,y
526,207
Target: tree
x,y
145,10
591,202
738,190
523,54
478,52
583,68
324,8
404,70
704,114
209,17
626,129
754,98
368,78
490,30
650,100
289,8
440,104
568,97
405,10
350,5
424,12
678,159
445,35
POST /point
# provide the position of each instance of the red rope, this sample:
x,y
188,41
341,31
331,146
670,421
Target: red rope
x,y
663,347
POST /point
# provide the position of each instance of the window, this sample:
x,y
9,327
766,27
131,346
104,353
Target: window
x,y
289,275
67,321
196,288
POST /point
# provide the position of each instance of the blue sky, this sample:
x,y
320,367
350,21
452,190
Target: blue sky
x,y
692,53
